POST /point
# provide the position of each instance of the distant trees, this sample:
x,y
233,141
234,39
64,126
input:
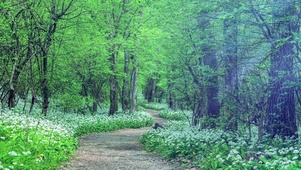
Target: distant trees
x,y
235,63
81,55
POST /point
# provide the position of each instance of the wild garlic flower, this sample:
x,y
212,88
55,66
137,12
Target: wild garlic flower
x,y
26,153
13,153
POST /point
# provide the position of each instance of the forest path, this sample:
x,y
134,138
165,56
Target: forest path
x,y
118,150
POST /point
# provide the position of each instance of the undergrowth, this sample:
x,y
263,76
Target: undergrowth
x,y
153,106
216,149
175,115
34,142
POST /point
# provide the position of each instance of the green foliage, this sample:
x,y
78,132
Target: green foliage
x,y
216,149
27,141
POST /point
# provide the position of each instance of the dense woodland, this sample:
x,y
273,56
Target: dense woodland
x,y
232,63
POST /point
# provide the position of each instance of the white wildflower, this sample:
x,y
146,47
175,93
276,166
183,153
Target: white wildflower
x,y
26,153
295,158
13,153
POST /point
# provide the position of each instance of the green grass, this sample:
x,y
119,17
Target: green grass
x,y
33,142
216,149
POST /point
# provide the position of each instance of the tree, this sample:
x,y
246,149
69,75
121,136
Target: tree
x,y
230,59
281,112
281,109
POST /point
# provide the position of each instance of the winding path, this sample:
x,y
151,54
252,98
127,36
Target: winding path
x,y
118,150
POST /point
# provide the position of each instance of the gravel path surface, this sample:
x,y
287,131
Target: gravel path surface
x,y
118,150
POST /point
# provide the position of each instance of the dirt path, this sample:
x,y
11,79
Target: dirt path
x,y
118,150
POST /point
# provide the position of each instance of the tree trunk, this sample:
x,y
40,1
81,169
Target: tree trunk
x,y
150,90
113,86
125,88
281,111
45,90
211,90
134,88
281,114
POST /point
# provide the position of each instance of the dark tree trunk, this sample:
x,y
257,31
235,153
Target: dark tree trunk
x,y
171,101
45,90
208,107
125,88
281,112
150,90
211,91
113,86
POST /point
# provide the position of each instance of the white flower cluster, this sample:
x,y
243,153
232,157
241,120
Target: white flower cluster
x,y
14,121
182,136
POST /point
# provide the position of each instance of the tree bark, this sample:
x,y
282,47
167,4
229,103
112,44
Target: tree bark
x,y
134,87
113,86
125,88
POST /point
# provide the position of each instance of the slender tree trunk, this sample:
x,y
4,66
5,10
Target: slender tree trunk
x,y
12,85
134,88
113,86
45,90
11,92
125,88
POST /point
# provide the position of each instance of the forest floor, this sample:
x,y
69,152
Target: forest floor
x,y
118,150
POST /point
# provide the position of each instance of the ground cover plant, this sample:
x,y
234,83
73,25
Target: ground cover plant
x,y
28,141
154,106
216,149
175,115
